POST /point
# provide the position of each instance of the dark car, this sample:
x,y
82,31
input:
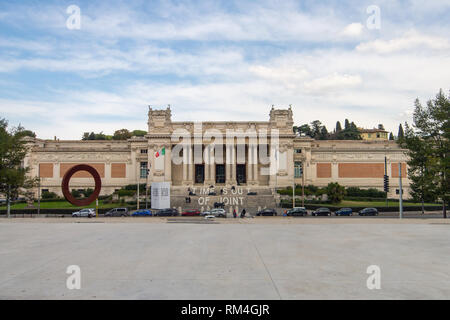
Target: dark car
x,y
190,213
142,213
167,213
117,212
322,212
344,212
368,212
267,212
296,212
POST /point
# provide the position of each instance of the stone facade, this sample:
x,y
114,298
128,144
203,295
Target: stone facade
x,y
222,153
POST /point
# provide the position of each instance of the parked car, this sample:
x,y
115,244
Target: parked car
x,y
117,212
322,212
344,212
142,213
368,212
267,212
295,212
84,213
169,212
190,213
219,213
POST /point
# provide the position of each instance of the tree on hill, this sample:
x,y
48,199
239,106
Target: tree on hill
x,y
346,124
139,133
338,127
401,133
94,136
122,134
316,127
323,133
305,130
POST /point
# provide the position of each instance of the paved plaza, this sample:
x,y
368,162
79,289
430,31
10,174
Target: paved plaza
x,y
261,258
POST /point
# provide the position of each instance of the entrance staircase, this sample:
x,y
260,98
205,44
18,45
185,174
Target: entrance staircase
x,y
237,199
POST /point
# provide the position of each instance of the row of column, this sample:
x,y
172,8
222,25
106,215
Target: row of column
x,y
230,165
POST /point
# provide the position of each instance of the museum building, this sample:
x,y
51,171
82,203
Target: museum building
x,y
205,162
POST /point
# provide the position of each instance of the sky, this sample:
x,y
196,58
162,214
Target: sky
x,y
218,60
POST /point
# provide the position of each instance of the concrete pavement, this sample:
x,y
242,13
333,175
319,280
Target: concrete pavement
x,y
262,258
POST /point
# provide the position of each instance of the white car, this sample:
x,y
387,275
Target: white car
x,y
84,213
219,213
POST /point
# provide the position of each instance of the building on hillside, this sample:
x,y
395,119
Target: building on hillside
x,y
374,134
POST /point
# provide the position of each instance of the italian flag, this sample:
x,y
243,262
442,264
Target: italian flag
x,y
161,152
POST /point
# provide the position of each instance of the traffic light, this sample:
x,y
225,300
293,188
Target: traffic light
x,y
386,183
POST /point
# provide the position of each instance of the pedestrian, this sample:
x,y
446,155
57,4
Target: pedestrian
x,y
234,213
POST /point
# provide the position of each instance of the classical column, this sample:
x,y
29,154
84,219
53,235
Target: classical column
x,y
228,164
185,163
206,155
233,164
190,165
212,165
249,163
255,164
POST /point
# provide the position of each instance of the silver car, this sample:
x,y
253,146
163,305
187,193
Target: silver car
x,y
219,213
84,213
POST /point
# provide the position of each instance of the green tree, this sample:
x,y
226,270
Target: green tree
x,y
316,127
139,133
91,136
85,136
338,127
323,133
335,192
428,148
27,133
401,133
350,132
346,124
391,136
122,134
305,130
13,174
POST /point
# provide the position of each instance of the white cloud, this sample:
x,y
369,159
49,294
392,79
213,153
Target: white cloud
x,y
410,41
353,30
332,82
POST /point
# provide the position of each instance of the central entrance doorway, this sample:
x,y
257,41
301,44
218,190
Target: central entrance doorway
x,y
199,173
241,175
220,173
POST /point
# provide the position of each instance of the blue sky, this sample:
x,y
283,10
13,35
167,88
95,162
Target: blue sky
x,y
218,60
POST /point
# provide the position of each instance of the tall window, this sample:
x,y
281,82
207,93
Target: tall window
x,y
298,170
144,167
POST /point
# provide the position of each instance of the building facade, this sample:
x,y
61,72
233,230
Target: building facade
x,y
255,154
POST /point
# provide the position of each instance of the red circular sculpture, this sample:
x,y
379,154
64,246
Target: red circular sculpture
x,y
66,180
